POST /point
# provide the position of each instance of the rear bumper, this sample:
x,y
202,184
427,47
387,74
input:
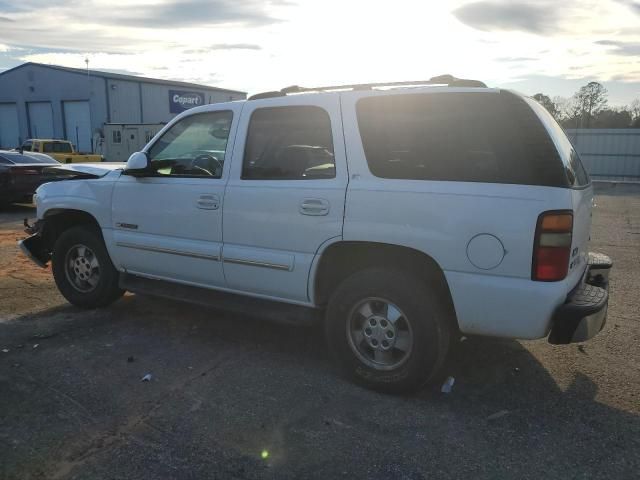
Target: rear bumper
x,y
584,313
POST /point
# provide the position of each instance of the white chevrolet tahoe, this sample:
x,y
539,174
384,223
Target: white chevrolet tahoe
x,y
401,215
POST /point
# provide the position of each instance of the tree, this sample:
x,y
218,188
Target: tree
x,y
549,104
612,118
560,103
591,99
634,110
570,110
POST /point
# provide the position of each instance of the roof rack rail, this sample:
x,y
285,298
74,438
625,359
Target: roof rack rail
x,y
448,80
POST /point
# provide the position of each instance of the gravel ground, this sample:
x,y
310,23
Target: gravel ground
x,y
233,397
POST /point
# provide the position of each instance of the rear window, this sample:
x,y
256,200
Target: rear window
x,y
575,171
57,147
18,158
464,137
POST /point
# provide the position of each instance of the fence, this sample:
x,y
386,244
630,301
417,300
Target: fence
x,y
609,153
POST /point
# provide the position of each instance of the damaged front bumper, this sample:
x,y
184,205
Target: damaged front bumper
x,y
34,246
584,313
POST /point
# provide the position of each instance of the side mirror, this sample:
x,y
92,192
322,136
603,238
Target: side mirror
x,y
138,162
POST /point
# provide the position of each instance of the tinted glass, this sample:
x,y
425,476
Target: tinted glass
x,y
195,146
575,171
289,143
57,147
465,137
26,146
18,158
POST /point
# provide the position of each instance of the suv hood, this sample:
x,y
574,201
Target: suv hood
x,y
86,170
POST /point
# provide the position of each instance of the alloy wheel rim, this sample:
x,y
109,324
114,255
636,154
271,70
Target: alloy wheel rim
x,y
379,333
82,268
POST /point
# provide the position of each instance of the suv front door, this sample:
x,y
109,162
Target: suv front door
x,y
167,224
285,196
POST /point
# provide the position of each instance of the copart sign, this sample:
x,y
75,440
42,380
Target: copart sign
x,y
179,101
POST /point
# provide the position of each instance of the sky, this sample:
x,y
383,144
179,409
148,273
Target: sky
x,y
549,46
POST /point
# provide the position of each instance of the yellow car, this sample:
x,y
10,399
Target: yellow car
x,y
60,150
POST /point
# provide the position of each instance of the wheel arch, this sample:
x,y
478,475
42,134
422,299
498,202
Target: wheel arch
x,y
341,259
57,220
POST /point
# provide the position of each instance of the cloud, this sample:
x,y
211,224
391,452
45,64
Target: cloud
x,y
187,13
632,4
516,59
621,48
224,46
118,26
509,16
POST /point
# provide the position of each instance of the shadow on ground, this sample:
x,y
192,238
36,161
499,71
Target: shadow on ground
x,y
233,397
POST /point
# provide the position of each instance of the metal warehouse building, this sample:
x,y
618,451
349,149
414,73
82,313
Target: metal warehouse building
x,y
48,101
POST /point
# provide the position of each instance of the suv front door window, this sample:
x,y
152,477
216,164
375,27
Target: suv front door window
x,y
195,146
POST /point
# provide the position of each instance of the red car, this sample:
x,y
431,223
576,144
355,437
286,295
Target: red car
x,y
21,174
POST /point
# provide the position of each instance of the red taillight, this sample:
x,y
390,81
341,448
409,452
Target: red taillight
x,y
552,246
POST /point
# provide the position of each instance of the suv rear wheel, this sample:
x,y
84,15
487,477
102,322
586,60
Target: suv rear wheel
x,y
387,330
83,270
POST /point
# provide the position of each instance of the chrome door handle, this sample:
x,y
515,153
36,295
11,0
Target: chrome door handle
x,y
208,202
314,206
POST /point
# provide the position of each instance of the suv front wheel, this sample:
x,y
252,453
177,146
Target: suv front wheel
x,y
83,270
387,330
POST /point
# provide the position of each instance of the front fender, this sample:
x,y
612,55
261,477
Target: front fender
x,y
89,196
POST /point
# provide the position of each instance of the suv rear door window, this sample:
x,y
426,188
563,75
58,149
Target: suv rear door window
x,y
466,137
289,143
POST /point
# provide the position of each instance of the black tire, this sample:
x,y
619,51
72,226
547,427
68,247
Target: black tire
x,y
427,315
106,289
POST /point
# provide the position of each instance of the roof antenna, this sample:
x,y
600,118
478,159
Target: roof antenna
x,y
86,60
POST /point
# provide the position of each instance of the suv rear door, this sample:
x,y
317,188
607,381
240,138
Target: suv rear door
x,y
285,196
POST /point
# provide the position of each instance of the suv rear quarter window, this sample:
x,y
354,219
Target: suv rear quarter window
x,y
467,137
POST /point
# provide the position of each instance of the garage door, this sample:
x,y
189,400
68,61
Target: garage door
x,y
9,125
40,120
77,122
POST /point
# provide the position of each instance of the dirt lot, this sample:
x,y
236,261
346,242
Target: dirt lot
x,y
233,397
